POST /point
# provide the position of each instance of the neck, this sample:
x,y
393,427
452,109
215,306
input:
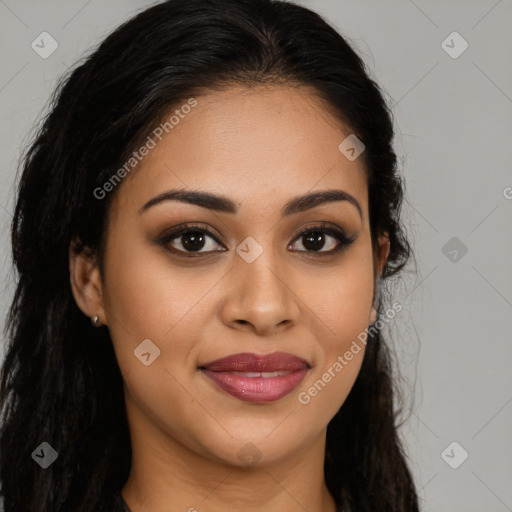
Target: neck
x,y
168,476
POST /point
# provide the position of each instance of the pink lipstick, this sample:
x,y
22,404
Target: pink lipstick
x,y
257,378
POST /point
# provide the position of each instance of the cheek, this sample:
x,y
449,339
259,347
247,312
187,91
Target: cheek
x,y
346,299
143,299
144,292
149,300
343,312
147,296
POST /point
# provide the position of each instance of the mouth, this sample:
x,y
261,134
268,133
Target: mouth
x,y
257,378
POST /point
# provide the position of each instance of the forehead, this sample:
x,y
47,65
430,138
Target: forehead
x,y
259,145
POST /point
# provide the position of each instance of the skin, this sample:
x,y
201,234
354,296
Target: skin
x,y
260,147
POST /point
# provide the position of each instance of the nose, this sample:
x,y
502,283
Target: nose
x,y
260,296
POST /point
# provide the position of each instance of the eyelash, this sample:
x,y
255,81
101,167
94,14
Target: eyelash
x,y
182,229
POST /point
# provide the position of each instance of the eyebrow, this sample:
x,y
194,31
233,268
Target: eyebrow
x,y
223,204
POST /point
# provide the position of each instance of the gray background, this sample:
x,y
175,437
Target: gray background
x,y
454,129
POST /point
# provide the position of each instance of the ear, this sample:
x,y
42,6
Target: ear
x,y
383,252
382,257
86,282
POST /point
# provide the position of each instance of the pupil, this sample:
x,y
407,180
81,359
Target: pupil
x,y
193,241
313,239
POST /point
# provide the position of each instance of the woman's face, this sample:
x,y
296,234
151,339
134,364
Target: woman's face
x,y
241,279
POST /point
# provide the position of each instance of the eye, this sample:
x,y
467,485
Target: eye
x,y
316,238
189,239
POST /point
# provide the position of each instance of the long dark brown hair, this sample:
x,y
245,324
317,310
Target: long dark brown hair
x,y
60,380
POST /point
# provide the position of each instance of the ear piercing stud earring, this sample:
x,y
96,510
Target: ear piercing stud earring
x,y
95,320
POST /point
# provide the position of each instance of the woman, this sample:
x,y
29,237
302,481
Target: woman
x,y
215,188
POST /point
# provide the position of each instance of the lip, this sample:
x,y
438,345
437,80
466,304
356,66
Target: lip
x,y
237,375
